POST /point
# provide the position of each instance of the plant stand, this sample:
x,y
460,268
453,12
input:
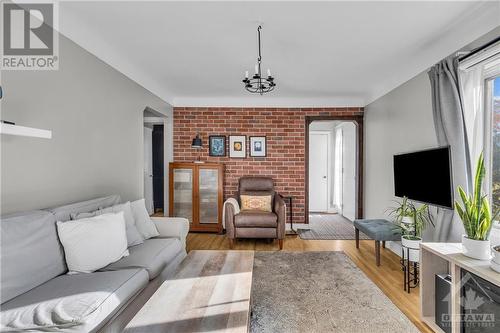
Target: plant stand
x,y
410,269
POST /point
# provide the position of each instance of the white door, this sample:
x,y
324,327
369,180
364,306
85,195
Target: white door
x,y
349,170
338,173
148,169
318,172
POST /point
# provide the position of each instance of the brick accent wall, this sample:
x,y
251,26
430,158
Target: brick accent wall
x,y
284,129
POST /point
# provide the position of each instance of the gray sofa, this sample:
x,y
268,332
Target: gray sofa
x,y
38,295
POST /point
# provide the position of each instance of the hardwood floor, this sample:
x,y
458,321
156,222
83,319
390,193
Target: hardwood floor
x,y
388,277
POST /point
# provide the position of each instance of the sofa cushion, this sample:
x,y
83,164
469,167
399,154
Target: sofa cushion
x,y
30,252
255,218
63,213
93,243
134,237
153,255
75,303
142,220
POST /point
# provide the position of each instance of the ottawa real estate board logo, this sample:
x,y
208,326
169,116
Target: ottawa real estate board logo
x,y
29,36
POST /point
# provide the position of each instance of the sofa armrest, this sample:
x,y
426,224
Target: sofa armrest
x,y
177,227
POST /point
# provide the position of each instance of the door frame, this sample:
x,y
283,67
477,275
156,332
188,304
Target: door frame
x,y
329,160
159,119
359,122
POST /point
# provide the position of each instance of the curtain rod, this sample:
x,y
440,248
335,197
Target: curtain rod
x,y
476,50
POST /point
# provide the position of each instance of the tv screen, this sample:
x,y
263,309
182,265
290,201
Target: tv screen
x,y
424,176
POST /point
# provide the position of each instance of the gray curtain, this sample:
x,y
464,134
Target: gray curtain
x,y
450,130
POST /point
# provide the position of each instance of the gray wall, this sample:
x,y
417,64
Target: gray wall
x,y
401,121
96,117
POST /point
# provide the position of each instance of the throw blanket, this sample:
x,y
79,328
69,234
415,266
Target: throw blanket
x,y
236,206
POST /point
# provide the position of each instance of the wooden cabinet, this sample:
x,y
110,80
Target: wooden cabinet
x,y
196,193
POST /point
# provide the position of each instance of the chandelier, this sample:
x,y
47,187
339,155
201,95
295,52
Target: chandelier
x,y
258,84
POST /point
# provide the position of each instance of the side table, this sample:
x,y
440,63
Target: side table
x,y
289,203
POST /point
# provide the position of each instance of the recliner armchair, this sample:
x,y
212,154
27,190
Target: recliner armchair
x,y
256,223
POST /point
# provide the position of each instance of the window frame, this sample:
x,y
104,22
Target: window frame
x,y
489,78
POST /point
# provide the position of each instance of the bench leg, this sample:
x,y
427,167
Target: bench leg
x,y
383,244
377,252
357,237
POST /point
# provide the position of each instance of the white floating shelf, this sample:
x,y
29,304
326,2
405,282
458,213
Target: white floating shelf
x,y
25,131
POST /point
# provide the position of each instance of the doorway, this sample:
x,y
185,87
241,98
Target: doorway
x,y
154,162
333,167
320,172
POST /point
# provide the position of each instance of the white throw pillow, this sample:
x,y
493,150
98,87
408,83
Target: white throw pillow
x,y
93,243
142,220
134,237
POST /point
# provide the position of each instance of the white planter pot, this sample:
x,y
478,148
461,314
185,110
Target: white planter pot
x,y
476,249
414,255
496,254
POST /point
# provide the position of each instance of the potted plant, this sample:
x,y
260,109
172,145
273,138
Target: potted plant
x,y
413,220
475,214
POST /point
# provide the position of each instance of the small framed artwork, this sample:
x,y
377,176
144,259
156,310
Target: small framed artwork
x,y
237,146
258,146
217,145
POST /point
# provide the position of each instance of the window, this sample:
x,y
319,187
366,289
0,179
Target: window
x,y
494,96
480,88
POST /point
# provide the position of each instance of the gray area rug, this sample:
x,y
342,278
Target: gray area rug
x,y
319,292
329,226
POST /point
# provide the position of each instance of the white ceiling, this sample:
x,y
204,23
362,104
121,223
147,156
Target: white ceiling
x,y
321,53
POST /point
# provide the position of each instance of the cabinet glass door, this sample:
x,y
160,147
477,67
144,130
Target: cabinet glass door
x,y
208,196
183,193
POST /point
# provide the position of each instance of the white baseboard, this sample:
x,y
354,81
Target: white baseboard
x,y
297,226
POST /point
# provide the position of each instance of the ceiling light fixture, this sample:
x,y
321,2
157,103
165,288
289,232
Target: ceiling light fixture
x,y
258,84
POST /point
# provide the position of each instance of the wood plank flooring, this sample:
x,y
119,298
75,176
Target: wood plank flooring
x,y
388,277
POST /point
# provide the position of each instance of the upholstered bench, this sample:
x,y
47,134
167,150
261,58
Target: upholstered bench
x,y
379,230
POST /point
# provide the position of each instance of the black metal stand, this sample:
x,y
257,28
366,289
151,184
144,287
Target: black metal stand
x,y
410,269
289,199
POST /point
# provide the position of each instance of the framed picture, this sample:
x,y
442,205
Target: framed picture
x,y
217,145
258,146
237,146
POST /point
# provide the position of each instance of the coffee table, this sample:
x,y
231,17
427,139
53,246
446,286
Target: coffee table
x,y
210,292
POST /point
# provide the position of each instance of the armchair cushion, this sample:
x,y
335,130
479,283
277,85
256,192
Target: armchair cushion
x,y
249,185
255,219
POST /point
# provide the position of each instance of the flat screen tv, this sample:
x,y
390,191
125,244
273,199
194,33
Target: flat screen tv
x,y
424,176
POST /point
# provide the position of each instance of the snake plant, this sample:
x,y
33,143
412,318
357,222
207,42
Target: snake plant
x,y
475,211
420,215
